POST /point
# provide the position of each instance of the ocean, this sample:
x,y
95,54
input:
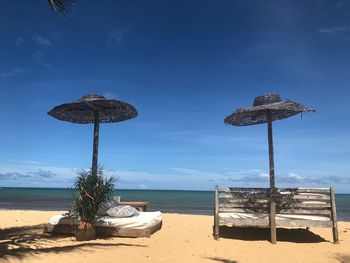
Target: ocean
x,y
167,201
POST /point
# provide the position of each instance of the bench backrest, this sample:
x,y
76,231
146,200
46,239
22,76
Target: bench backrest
x,y
293,201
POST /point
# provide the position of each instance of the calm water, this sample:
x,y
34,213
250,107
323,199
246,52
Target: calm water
x,y
167,201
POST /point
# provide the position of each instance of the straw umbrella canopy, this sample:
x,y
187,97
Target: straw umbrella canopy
x,y
266,109
94,109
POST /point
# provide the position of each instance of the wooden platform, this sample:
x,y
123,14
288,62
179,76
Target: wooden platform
x,y
65,229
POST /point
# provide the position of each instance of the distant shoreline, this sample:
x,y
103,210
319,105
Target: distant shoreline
x,y
139,189
166,201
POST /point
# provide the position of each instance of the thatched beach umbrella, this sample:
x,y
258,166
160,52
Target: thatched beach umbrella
x,y
94,109
266,109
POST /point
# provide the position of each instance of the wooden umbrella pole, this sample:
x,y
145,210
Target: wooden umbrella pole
x,y
272,182
95,145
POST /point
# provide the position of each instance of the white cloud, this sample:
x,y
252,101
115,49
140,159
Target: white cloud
x,y
19,42
288,179
186,171
35,174
25,174
260,177
294,178
41,40
32,162
39,57
338,180
342,32
110,95
31,176
11,73
244,172
116,37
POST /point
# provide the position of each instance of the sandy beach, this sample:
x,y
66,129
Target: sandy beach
x,y
183,238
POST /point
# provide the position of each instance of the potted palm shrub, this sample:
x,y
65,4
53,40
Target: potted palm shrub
x,y
92,189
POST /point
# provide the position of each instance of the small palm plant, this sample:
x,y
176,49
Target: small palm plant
x,y
91,191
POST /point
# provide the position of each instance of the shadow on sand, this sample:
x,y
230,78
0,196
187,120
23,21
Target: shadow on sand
x,y
223,260
19,242
253,234
343,258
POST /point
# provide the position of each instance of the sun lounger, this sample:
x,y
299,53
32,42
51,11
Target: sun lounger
x,y
295,207
143,225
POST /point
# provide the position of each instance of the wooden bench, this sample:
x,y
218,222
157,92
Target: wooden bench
x,y
295,207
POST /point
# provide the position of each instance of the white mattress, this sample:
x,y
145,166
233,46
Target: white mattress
x,y
278,216
142,221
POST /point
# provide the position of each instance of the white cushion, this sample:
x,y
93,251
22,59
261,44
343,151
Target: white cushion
x,y
122,211
102,211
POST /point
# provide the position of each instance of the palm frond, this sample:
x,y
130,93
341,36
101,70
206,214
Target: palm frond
x,y
61,6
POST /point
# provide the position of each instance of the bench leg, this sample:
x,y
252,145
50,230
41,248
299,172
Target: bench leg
x,y
216,231
273,222
334,217
335,235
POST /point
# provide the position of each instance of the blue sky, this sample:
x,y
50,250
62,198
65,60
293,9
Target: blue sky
x,y
185,66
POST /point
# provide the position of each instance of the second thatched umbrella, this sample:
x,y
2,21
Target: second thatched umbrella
x,y
94,109
266,109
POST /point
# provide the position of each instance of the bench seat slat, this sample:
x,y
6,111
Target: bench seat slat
x,y
243,205
244,210
279,211
263,221
252,196
266,190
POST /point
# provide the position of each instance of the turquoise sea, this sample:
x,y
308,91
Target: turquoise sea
x,y
167,201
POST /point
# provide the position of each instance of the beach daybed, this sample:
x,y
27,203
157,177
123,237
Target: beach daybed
x,y
295,207
143,225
